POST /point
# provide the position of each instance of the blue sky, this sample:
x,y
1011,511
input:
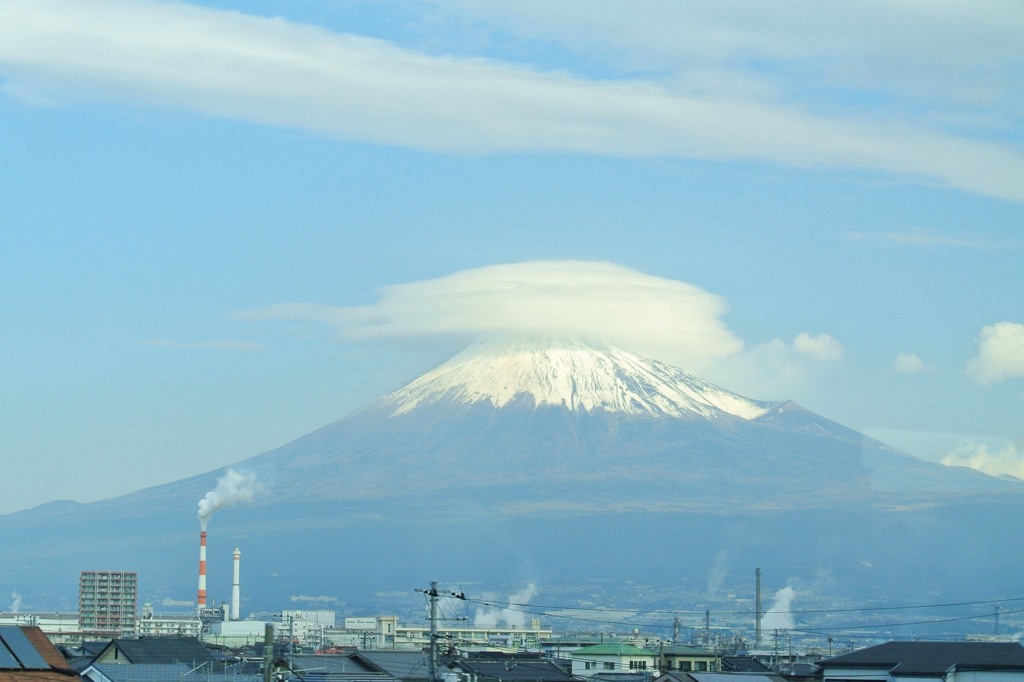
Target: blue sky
x,y
225,224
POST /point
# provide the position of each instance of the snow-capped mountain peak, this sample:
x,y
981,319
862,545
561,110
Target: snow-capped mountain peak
x,y
579,376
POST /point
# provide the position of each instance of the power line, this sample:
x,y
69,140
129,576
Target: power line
x,y
511,606
745,612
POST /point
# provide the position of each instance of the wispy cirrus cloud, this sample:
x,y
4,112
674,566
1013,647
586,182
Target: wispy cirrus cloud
x,y
225,344
936,239
282,73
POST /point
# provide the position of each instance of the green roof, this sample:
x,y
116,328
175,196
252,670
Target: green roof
x,y
687,650
615,649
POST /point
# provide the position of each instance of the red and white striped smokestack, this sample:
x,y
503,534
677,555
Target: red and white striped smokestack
x,y
235,593
201,595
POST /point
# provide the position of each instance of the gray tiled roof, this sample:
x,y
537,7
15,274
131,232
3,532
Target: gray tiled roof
x,y
922,658
187,650
512,669
163,672
402,665
735,677
746,664
329,663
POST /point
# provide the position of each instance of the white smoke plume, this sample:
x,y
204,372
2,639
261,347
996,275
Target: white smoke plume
x,y
780,615
232,488
511,616
15,606
718,572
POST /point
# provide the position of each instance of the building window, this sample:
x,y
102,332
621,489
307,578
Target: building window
x,y
589,665
638,665
608,665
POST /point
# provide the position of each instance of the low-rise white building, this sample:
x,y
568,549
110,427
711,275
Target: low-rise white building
x,y
152,624
237,633
59,628
613,658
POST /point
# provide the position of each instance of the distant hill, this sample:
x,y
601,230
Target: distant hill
x,y
549,461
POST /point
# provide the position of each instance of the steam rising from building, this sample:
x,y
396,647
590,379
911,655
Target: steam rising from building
x,y
780,615
512,615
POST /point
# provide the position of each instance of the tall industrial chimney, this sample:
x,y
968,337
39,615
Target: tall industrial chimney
x,y
757,610
201,595
235,594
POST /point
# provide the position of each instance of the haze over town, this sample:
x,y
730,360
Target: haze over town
x,y
225,224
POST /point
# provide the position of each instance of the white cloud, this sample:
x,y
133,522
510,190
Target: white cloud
x,y
909,363
276,72
1007,460
908,51
663,318
821,347
778,369
1000,353
666,319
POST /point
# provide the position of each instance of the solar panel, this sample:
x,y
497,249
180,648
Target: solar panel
x,y
7,659
22,649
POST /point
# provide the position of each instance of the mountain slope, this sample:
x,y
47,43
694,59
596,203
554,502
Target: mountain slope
x,y
547,455
537,425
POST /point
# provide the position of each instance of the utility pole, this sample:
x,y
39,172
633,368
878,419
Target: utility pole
x,y
433,630
757,609
675,629
268,652
997,620
291,643
434,594
707,628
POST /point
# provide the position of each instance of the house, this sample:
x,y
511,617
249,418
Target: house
x,y
331,668
611,659
407,666
164,672
719,677
687,658
26,655
929,662
742,664
507,668
155,651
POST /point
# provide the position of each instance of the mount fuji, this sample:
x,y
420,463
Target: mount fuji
x,y
548,460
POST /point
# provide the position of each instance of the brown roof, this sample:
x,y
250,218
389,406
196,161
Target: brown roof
x,y
59,670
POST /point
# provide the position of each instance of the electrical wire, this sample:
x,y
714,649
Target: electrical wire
x,y
516,607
